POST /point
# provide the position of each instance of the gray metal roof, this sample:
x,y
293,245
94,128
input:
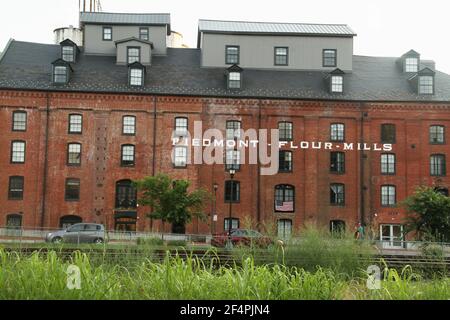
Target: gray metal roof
x,y
125,18
217,26
27,66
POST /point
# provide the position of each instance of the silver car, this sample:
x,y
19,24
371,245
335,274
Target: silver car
x,y
79,233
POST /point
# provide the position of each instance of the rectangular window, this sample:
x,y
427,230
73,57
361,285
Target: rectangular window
x,y
75,123
68,53
285,159
411,65
129,125
107,33
234,80
180,157
72,190
60,74
337,162
233,130
284,227
19,121
181,127
388,134
285,130
134,55
426,85
388,164
438,165
16,188
337,84
337,194
284,198
18,152
281,56
337,132
127,159
136,77
437,134
74,154
388,196
232,55
232,191
144,34
330,58
233,160
391,235
234,224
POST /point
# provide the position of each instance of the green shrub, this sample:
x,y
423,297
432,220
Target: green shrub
x,y
176,243
150,241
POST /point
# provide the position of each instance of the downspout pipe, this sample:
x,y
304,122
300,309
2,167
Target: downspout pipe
x,y
44,180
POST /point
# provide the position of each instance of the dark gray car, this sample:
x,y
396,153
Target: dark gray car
x,y
79,233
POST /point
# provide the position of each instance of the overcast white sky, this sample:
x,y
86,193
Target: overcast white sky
x,y
384,27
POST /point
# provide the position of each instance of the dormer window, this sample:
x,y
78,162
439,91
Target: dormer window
x,y
68,54
61,72
426,84
423,81
69,50
411,64
133,54
336,81
234,77
410,61
337,84
136,74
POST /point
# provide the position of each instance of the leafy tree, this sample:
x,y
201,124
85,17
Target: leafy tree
x,y
171,201
428,214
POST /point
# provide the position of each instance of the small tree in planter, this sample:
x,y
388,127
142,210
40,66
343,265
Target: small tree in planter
x,y
171,201
428,214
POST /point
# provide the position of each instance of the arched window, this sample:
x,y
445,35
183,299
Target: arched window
x,y
284,198
67,221
337,194
126,194
128,155
74,154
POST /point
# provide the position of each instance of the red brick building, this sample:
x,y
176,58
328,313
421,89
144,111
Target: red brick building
x,y
72,145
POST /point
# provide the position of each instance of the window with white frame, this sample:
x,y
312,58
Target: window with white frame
x,y
134,55
388,196
285,131
180,156
74,154
426,85
127,158
18,152
68,53
391,235
129,125
181,126
388,163
144,34
234,224
75,123
411,64
60,74
337,84
234,80
136,77
19,121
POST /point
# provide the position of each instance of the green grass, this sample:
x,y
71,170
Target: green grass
x,y
43,276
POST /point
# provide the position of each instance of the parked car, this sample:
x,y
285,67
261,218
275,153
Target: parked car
x,y
79,233
242,237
